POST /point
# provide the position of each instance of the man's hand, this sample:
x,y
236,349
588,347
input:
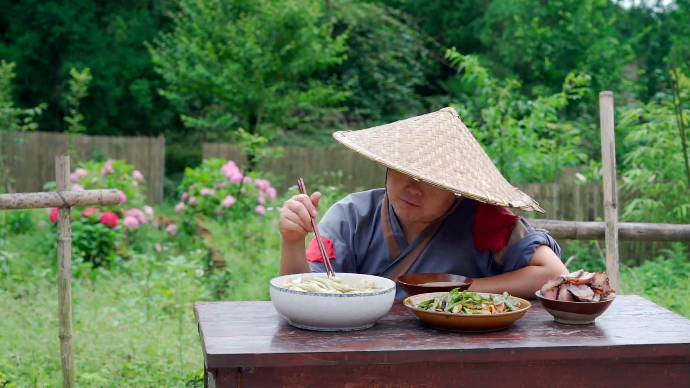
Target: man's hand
x,y
524,282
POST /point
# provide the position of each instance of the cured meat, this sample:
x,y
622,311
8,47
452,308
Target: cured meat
x,y
581,292
563,293
574,275
551,294
600,278
579,286
584,278
552,284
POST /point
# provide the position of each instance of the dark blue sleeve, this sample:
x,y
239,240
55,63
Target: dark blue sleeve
x,y
520,254
336,225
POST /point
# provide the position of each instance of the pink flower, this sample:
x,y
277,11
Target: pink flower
x,y
172,229
247,180
77,187
136,214
53,215
104,172
131,222
89,210
190,188
229,168
243,190
81,172
192,201
74,177
262,200
158,247
206,191
262,184
123,197
272,193
260,210
220,185
135,183
220,213
109,166
228,201
235,178
184,196
148,210
179,208
109,218
137,175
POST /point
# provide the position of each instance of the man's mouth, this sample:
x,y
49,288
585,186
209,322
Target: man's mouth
x,y
409,203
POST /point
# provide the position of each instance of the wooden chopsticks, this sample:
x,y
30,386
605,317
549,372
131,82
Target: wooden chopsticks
x,y
326,259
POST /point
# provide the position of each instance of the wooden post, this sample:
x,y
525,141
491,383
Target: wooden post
x,y
64,200
608,157
62,172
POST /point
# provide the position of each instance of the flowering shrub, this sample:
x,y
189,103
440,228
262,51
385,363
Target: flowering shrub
x,y
218,189
112,174
100,232
115,174
96,234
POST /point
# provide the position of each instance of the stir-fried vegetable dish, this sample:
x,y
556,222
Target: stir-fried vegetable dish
x,y
464,302
332,285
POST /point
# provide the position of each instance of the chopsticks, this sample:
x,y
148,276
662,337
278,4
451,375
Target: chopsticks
x,y
326,259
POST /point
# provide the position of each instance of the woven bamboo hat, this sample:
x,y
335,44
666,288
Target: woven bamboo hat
x,y
438,149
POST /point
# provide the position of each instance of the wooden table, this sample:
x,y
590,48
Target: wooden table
x,y
635,343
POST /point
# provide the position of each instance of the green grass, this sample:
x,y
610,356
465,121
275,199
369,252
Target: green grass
x,y
133,327
664,280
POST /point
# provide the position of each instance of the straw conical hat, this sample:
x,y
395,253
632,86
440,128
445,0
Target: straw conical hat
x,y
438,149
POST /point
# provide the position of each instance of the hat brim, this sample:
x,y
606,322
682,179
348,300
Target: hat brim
x,y
488,186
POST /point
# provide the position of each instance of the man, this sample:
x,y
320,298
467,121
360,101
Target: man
x,y
443,209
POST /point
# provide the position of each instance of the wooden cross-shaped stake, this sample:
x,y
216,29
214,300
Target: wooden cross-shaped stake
x,y
64,200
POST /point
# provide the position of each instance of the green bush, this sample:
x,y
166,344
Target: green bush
x,y
218,189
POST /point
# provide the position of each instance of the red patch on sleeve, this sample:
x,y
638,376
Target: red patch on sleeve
x,y
492,226
314,253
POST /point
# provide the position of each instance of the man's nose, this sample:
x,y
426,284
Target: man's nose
x,y
414,189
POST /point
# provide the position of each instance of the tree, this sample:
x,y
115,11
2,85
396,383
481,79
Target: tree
x,y
12,120
78,89
234,63
528,139
47,38
540,42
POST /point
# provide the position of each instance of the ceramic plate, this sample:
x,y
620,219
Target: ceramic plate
x,y
465,322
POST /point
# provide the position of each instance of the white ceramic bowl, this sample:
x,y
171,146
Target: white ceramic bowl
x,y
333,312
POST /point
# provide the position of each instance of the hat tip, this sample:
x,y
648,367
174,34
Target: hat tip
x,y
451,110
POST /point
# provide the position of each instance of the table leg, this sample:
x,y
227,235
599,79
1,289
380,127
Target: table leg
x,y
222,378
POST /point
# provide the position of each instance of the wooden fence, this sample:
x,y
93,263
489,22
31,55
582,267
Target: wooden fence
x,y
32,159
562,201
356,171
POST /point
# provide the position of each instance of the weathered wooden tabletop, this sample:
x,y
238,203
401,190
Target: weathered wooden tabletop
x,y
635,343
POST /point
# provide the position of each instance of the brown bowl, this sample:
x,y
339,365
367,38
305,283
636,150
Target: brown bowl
x,y
414,284
574,313
472,323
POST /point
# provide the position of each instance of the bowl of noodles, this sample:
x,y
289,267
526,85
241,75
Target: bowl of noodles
x,y
346,302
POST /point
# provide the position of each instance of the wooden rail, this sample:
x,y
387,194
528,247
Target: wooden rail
x,y
630,231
